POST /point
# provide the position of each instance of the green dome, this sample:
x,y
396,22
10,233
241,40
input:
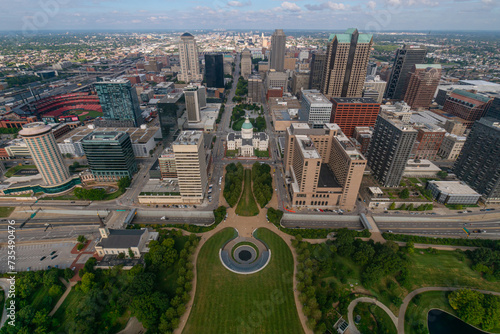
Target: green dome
x,y
247,125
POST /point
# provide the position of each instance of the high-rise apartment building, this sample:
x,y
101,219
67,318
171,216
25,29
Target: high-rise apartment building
x,y
45,152
479,161
300,80
166,161
451,146
349,113
374,83
195,97
110,155
190,161
324,166
422,85
214,70
246,63
346,64
406,58
318,61
276,79
188,54
278,47
315,108
255,89
119,102
468,106
390,149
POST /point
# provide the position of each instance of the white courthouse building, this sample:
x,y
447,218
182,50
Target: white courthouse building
x,y
247,141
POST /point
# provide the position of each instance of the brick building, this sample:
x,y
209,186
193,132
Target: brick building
x,y
422,84
468,106
349,113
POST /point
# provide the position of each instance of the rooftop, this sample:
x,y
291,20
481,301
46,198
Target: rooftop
x,y
454,187
470,95
122,238
315,96
424,66
354,100
137,135
33,129
188,138
307,147
346,37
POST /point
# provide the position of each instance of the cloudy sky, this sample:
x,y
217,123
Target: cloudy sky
x,y
371,15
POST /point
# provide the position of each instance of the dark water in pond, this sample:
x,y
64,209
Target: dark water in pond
x,y
440,322
244,255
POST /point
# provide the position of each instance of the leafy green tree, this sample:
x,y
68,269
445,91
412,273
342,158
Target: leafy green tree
x,y
124,183
404,194
468,305
88,282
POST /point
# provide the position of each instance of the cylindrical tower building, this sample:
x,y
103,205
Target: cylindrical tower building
x,y
45,152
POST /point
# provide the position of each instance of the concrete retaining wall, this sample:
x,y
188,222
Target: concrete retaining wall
x,y
177,214
324,217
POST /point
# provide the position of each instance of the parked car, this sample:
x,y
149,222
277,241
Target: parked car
x,y
52,258
53,252
43,258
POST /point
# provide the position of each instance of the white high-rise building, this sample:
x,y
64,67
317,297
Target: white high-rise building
x,y
188,54
315,108
196,99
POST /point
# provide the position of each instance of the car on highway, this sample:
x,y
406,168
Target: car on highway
x,y
389,231
53,252
164,218
52,258
43,258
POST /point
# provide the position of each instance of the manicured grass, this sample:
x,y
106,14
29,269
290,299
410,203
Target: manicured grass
x,y
373,319
91,114
446,269
261,154
5,211
231,153
16,169
71,197
247,205
226,302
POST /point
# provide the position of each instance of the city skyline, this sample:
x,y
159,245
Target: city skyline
x,y
32,16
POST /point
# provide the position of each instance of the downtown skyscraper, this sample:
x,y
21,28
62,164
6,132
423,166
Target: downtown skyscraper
x,y
278,47
188,54
406,58
346,64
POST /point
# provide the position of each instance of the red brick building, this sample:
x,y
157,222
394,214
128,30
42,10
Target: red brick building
x,y
466,105
422,85
350,112
274,92
428,142
363,135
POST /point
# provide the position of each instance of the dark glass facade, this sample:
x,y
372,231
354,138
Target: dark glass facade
x,y
110,155
119,102
214,71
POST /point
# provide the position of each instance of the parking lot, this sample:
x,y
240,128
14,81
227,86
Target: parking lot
x,y
28,256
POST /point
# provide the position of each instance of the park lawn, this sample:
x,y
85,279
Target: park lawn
x,y
231,153
226,302
15,169
68,197
63,315
6,211
446,270
261,154
373,319
237,124
247,205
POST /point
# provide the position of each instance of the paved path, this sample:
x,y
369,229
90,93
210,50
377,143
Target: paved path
x,y
245,227
4,283
63,297
352,305
399,321
133,327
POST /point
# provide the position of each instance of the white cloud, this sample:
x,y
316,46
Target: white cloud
x,y
327,5
371,5
290,6
236,4
394,2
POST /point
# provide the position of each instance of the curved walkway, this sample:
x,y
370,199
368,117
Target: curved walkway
x,y
399,321
245,227
64,295
352,305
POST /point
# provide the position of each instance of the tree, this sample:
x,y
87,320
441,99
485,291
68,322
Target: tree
x,y
405,193
88,282
442,174
393,206
468,304
131,253
81,239
121,255
68,274
124,183
55,291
